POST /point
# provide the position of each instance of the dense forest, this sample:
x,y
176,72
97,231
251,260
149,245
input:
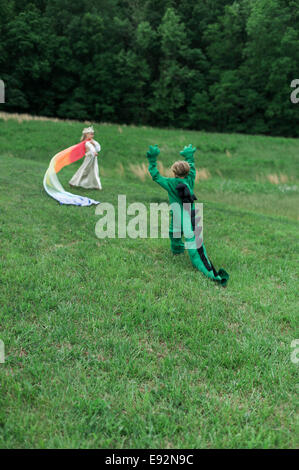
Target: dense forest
x,y
215,65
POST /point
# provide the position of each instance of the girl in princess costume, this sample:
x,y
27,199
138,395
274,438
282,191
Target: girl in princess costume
x,y
183,215
87,176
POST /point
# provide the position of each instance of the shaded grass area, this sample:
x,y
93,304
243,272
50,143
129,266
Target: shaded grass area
x,y
116,343
234,155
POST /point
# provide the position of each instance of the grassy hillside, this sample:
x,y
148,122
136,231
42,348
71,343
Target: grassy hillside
x,y
116,343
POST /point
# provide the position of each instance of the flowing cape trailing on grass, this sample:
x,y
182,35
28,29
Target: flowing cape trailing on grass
x,y
52,184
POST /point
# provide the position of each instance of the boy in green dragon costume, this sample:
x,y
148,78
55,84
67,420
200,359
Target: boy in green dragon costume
x,y
183,215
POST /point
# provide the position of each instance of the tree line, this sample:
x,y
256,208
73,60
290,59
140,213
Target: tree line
x,y
214,65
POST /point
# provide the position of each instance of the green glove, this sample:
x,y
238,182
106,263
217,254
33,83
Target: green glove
x,y
188,151
153,151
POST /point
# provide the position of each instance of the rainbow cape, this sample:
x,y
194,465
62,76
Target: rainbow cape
x,y
51,182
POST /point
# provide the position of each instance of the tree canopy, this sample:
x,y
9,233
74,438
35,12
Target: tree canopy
x,y
216,65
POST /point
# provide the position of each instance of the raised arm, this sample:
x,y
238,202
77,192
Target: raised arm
x,y
188,154
152,154
89,148
97,145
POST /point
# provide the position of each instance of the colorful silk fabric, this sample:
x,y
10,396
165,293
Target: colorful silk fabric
x,y
52,184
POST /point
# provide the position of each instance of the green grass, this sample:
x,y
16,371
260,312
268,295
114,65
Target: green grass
x,y
116,343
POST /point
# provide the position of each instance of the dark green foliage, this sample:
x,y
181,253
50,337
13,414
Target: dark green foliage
x,y
217,65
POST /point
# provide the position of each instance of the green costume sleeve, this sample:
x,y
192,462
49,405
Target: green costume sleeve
x,y
188,154
152,154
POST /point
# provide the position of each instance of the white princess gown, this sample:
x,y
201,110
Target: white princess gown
x,y
87,176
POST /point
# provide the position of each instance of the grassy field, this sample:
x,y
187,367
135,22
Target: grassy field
x,y
116,343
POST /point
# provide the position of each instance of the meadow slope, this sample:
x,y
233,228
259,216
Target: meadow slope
x,y
115,343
